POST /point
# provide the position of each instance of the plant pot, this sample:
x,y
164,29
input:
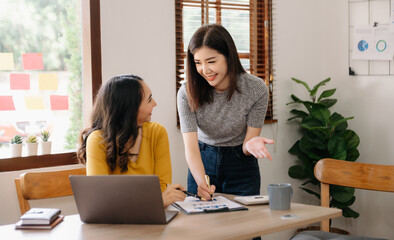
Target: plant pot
x,y
16,150
317,228
45,147
32,149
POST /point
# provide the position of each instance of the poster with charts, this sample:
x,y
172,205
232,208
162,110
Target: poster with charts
x,y
373,43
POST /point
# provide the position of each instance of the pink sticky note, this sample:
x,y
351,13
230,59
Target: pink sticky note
x,y
33,61
19,81
59,102
6,103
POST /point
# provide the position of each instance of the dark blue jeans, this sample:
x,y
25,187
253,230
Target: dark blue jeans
x,y
229,169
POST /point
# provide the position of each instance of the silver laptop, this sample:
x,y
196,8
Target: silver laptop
x,y
120,199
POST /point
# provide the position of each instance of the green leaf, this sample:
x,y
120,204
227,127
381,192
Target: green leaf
x,y
299,114
337,204
315,88
321,113
295,99
342,194
313,141
336,147
352,154
326,94
328,102
352,139
348,212
339,124
336,117
309,148
295,149
297,172
311,122
302,82
311,192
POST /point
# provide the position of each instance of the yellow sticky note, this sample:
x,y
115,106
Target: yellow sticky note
x,y
47,81
6,61
34,102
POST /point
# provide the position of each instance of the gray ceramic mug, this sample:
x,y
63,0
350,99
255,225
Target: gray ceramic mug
x,y
280,196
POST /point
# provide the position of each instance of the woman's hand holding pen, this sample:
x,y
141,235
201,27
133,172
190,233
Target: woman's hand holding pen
x,y
172,194
256,147
204,192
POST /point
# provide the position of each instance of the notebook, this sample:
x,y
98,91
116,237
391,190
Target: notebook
x,y
120,199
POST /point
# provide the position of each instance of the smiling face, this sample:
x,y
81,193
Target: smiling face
x,y
212,65
146,107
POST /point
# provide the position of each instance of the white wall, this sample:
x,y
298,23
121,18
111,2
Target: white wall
x,y
310,43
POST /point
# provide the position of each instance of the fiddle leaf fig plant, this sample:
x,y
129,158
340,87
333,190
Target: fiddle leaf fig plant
x,y
324,135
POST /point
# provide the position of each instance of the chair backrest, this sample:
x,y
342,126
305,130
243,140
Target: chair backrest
x,y
42,185
351,174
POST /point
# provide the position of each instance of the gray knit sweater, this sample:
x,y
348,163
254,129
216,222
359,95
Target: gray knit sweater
x,y
223,122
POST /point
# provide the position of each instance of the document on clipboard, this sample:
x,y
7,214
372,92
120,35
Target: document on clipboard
x,y
192,205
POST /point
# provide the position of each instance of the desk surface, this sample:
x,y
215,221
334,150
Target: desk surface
x,y
258,220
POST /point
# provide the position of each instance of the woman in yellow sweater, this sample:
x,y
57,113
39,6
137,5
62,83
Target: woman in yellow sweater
x,y
122,140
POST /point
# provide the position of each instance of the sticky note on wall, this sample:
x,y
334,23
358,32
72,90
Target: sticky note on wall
x,y
47,81
32,61
19,81
34,102
6,103
6,61
59,102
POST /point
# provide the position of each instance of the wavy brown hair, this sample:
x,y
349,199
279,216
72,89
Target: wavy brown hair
x,y
115,115
218,38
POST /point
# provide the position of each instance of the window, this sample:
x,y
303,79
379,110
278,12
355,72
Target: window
x,y
48,14
249,23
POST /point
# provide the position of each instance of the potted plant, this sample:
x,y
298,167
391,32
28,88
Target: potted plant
x,y
32,145
45,144
16,146
324,135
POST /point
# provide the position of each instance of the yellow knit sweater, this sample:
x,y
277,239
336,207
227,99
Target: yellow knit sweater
x,y
153,159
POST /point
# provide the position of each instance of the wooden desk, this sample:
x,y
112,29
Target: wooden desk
x,y
258,220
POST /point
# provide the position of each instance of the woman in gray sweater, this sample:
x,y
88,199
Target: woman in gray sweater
x,y
222,110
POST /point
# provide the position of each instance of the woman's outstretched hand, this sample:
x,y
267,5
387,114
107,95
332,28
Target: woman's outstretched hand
x,y
256,147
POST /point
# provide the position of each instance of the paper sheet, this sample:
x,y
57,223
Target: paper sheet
x,y
6,61
194,205
19,81
32,61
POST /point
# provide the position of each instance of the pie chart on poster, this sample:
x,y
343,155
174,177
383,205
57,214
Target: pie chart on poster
x,y
362,45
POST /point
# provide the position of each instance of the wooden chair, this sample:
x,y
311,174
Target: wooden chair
x,y
349,174
42,185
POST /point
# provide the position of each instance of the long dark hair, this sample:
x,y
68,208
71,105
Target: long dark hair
x,y
218,38
115,114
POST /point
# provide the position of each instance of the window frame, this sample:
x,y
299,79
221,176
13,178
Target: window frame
x,y
92,79
260,54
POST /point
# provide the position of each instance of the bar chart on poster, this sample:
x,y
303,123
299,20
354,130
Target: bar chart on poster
x,y
371,37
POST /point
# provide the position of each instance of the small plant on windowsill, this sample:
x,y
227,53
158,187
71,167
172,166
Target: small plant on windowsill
x,y
17,139
46,145
45,136
31,139
16,146
32,145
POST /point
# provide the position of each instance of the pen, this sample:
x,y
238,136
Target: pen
x,y
208,184
191,194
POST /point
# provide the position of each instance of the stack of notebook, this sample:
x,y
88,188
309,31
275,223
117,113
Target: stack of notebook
x,y
40,218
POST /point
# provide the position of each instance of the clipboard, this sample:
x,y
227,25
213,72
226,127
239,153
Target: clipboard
x,y
192,205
